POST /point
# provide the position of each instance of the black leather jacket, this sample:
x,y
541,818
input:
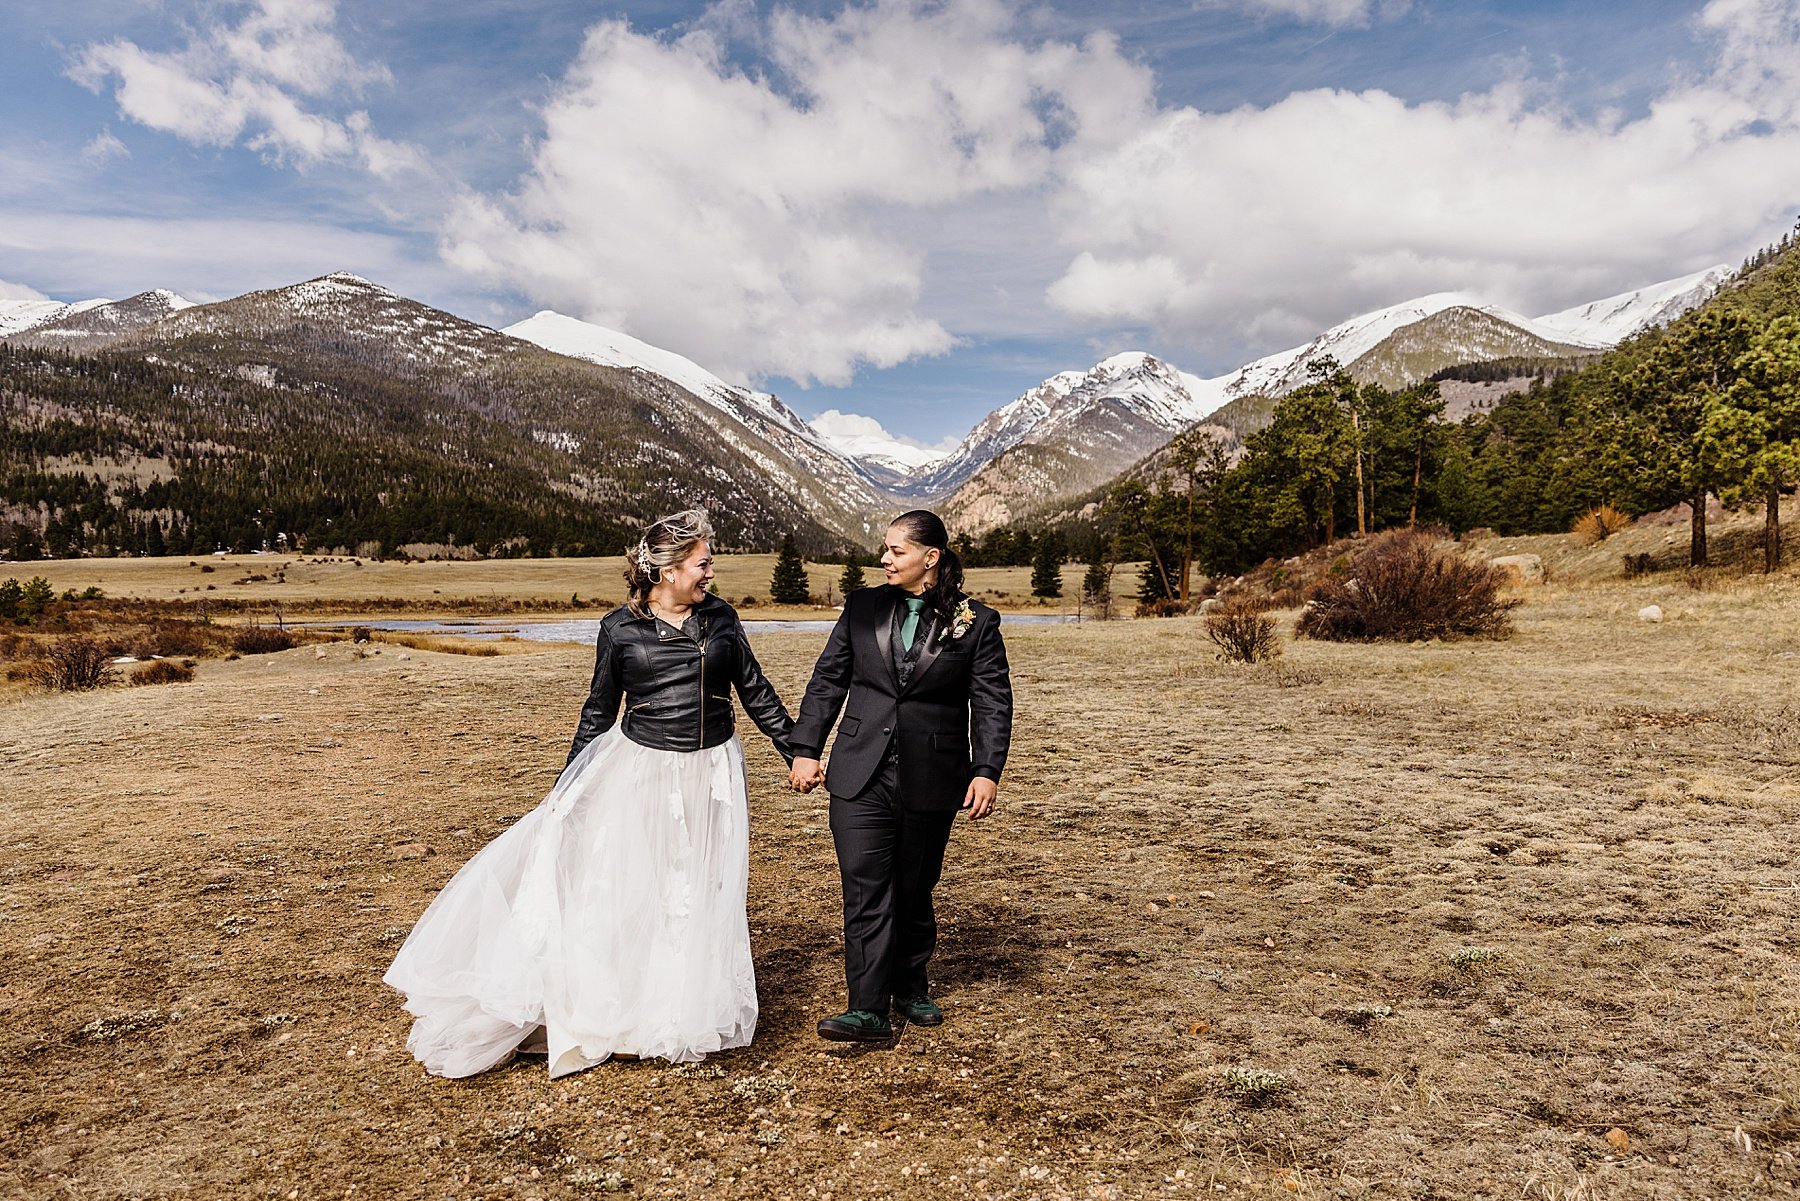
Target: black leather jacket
x,y
677,688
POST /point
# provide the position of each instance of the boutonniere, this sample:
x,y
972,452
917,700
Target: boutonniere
x,y
960,620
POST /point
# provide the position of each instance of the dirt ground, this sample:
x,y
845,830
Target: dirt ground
x,y
1498,919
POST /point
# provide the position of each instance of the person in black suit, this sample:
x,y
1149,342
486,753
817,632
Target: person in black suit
x,y
919,672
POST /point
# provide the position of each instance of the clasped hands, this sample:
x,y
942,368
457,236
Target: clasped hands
x,y
807,774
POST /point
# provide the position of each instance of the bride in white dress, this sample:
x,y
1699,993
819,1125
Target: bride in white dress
x,y
610,920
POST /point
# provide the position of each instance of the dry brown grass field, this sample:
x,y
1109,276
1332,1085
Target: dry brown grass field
x,y
1489,919
322,585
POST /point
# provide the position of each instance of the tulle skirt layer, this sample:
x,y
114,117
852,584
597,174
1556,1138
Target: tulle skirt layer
x,y
611,916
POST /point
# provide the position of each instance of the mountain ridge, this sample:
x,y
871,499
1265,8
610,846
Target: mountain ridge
x,y
1067,433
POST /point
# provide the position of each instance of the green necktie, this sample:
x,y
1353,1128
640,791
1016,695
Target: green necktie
x,y
909,626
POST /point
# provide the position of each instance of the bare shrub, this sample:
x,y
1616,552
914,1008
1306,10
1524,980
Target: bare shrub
x,y
1597,525
261,640
163,671
1167,606
1700,579
1404,585
1242,631
1639,564
183,639
76,663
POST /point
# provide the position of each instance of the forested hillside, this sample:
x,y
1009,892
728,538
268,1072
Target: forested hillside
x,y
337,416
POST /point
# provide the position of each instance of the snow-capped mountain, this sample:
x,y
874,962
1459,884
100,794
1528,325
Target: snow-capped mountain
x,y
1610,321
757,424
1285,370
90,325
1121,407
1077,429
389,324
584,340
17,316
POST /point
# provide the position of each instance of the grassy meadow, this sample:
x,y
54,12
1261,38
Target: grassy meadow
x,y
350,587
1489,919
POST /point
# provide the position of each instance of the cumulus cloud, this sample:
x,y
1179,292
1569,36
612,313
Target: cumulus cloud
x,y
1263,224
268,81
753,220
841,427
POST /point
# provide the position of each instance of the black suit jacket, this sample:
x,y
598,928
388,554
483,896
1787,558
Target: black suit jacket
x,y
952,721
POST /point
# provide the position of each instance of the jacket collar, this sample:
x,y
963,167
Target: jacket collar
x,y
707,611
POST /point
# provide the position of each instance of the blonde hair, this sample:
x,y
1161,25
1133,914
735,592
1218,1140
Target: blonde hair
x,y
666,542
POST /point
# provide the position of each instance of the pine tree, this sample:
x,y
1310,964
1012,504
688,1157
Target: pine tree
x,y
1046,567
1097,587
35,597
852,579
788,586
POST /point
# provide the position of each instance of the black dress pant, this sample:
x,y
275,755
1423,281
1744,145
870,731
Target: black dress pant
x,y
889,858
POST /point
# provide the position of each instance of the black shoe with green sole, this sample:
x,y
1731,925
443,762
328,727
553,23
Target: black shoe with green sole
x,y
856,1026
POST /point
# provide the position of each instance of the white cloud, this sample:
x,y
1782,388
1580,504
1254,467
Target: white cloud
x,y
1263,224
859,434
1324,12
103,147
758,227
12,291
263,81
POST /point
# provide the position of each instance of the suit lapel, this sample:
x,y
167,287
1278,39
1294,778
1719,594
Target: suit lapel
x,y
884,634
928,653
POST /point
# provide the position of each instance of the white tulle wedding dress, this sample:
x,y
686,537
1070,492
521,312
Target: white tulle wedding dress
x,y
611,918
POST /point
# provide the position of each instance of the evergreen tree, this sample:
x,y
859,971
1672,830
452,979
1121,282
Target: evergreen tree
x,y
1096,586
852,579
1046,566
789,586
10,595
155,545
1751,434
34,598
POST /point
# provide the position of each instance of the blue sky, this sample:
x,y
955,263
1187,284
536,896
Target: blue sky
x,y
906,210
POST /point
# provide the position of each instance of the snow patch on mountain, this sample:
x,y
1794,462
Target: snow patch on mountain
x,y
1285,370
17,316
608,347
1610,321
1084,411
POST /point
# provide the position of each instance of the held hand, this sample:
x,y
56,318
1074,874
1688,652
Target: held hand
x,y
979,800
805,775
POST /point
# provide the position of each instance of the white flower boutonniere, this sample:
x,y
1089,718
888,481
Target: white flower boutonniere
x,y
960,620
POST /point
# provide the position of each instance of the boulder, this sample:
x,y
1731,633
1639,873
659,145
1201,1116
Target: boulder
x,y
1650,613
1525,569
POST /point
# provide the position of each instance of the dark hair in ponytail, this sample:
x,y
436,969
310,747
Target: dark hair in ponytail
x,y
925,528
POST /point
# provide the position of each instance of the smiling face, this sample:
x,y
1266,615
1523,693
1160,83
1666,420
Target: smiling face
x,y
685,583
909,565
